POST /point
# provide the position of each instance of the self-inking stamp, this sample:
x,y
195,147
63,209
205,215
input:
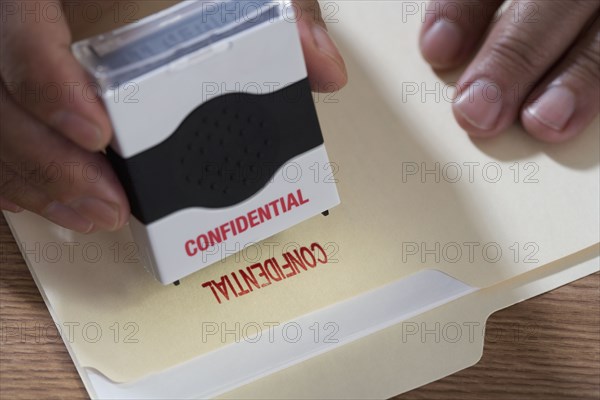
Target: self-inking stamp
x,y
216,137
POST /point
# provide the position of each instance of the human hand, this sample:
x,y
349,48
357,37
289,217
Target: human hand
x,y
540,63
50,142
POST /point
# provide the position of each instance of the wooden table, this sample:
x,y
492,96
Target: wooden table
x,y
544,348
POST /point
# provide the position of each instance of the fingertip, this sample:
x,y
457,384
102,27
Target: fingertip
x,y
50,83
80,130
539,130
104,214
124,215
327,80
478,113
441,44
327,46
549,116
8,205
472,130
67,217
325,64
83,118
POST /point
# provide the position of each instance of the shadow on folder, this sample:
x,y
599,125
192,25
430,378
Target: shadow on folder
x,y
363,132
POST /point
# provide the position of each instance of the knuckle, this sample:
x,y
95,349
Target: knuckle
x,y
518,55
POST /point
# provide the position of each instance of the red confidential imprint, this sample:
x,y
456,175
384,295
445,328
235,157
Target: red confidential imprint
x,y
257,276
244,222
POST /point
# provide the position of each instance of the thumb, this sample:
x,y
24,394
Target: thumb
x,y
325,65
42,75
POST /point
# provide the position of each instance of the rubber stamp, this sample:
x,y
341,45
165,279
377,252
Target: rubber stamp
x,y
216,136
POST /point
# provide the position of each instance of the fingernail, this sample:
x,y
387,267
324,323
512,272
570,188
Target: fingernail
x,y
326,45
13,208
442,42
78,129
554,108
65,216
480,104
105,215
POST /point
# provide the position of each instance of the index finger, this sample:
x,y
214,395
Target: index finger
x,y
40,72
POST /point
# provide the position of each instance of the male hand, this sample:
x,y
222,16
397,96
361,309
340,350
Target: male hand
x,y
540,63
53,127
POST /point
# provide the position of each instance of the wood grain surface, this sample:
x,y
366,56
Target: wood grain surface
x,y
544,348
